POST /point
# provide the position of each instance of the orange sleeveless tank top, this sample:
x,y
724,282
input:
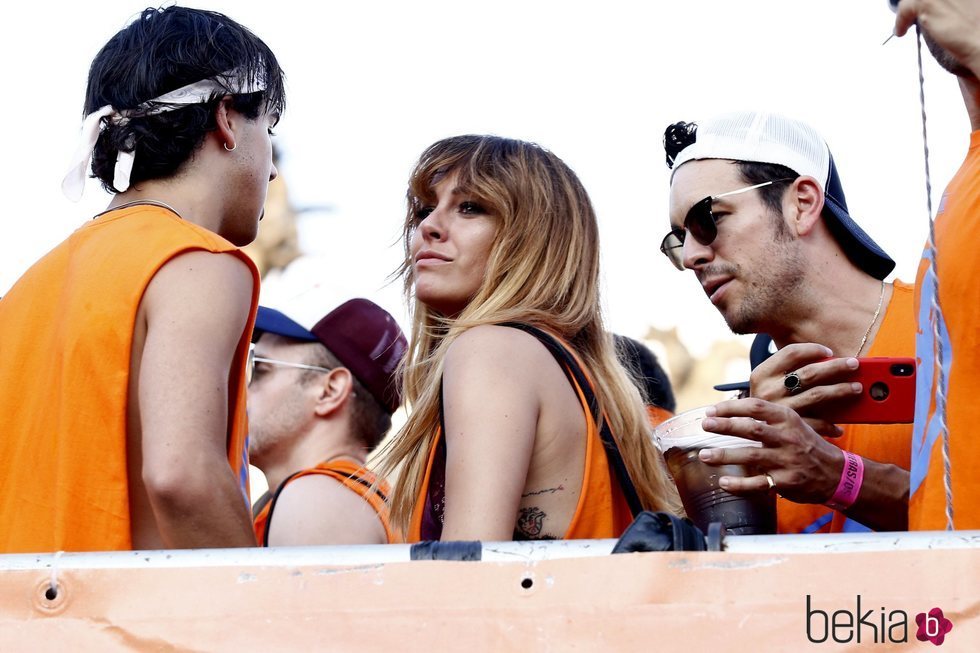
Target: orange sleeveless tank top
x,y
883,443
66,332
602,510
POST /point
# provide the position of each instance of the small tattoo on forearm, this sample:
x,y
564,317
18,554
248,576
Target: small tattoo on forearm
x,y
550,490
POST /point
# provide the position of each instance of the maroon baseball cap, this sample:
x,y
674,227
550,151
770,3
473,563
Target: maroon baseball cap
x,y
368,341
362,335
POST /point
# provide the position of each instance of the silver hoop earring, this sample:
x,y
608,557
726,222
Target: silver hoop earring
x,y
231,149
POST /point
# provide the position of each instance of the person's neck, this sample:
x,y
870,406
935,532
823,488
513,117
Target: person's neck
x,y
970,89
843,315
183,200
317,447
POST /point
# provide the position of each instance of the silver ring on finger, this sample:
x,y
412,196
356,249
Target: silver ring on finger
x,y
792,382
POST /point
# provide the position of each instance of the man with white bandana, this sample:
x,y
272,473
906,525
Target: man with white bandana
x,y
122,385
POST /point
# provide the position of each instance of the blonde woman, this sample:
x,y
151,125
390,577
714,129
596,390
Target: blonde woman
x,y
511,378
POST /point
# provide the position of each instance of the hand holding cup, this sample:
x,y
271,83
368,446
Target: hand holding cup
x,y
681,439
802,466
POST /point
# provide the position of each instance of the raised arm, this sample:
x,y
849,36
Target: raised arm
x,y
196,310
953,24
492,402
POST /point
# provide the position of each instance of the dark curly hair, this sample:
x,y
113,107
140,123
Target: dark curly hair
x,y
676,137
160,51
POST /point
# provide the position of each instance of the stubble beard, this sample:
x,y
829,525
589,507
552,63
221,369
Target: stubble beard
x,y
257,445
766,292
943,57
273,433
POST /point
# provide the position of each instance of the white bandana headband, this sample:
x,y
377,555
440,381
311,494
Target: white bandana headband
x,y
199,92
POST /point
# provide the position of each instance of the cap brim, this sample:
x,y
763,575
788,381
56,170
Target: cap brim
x,y
758,354
859,247
269,320
732,387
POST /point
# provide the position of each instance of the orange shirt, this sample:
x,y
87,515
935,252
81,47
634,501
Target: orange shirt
x,y
352,476
883,443
657,415
956,227
66,331
601,512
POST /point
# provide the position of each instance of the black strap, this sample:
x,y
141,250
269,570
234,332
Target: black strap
x,y
260,504
366,483
575,375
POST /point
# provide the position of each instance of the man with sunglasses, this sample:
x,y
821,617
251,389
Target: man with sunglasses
x,y
319,401
758,213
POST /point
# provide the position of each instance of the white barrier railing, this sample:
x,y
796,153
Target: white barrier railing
x,y
491,551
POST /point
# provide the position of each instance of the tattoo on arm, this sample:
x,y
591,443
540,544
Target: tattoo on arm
x,y
550,490
530,524
530,520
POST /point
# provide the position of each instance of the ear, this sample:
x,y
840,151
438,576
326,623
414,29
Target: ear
x,y
805,204
226,120
335,389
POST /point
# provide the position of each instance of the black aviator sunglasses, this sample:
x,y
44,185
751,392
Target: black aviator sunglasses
x,y
701,222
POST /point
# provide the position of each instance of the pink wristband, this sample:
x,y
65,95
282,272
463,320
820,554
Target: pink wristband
x,y
851,478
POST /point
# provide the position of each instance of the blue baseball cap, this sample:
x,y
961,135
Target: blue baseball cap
x,y
269,320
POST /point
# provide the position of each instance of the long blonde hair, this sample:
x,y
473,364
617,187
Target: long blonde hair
x,y
543,270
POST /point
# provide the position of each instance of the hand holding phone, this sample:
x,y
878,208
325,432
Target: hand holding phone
x,y
887,395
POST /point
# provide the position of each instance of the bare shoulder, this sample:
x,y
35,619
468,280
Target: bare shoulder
x,y
199,282
318,509
497,345
200,272
317,489
195,309
493,367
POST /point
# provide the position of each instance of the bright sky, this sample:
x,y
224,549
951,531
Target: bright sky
x,y
371,84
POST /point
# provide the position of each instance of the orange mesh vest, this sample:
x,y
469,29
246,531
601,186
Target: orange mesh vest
x,y
883,443
602,511
352,476
66,331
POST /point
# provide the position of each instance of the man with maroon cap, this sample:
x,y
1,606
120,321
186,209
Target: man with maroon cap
x,y
319,401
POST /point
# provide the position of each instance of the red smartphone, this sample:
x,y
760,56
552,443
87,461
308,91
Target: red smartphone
x,y
888,395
